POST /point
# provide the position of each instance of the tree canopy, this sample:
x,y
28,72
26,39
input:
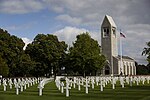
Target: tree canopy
x,y
146,51
47,51
12,56
46,54
85,56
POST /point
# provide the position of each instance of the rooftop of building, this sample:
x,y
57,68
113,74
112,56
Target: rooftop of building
x,y
111,21
125,57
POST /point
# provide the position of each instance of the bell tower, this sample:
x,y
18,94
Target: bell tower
x,y
109,41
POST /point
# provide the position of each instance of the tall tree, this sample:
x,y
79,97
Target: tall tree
x,y
46,51
15,61
146,51
85,56
4,70
10,49
142,70
24,66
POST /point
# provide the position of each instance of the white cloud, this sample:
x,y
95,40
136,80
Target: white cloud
x,y
58,9
26,41
20,6
130,15
22,26
69,19
68,34
133,44
136,37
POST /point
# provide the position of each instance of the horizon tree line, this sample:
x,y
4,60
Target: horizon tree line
x,y
46,55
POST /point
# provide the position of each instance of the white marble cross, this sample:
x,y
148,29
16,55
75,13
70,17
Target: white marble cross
x,y
67,87
25,84
79,83
127,79
92,82
40,90
4,84
104,81
148,78
137,81
143,80
122,81
62,87
97,80
17,88
21,86
86,86
74,82
30,80
131,80
10,83
82,81
0,81
113,82
57,83
33,81
101,83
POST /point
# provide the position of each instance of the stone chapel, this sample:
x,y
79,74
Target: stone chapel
x,y
110,50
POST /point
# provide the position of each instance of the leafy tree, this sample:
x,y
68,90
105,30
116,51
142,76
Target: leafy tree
x,y
24,66
13,56
4,70
47,52
148,66
85,56
142,70
146,51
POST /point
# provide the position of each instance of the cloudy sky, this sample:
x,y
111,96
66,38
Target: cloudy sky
x,y
67,18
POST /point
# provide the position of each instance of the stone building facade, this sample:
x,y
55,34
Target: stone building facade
x,y
116,64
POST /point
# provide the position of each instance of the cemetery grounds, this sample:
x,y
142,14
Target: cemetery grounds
x,y
51,92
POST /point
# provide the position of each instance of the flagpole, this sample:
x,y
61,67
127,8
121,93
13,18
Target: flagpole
x,y
121,64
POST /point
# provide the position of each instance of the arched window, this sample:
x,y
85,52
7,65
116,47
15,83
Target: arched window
x,y
105,32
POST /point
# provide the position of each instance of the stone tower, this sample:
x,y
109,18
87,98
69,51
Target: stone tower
x,y
109,41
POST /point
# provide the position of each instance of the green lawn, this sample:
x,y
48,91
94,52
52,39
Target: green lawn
x,y
51,93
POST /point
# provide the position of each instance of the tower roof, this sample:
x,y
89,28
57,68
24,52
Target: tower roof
x,y
110,20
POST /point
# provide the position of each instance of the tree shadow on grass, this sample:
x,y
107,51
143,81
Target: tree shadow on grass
x,y
140,87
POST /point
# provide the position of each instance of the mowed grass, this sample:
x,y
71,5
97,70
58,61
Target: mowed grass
x,y
50,92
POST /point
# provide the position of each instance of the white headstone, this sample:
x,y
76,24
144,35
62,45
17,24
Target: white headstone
x,y
92,82
131,80
67,87
79,87
86,86
113,83
97,80
10,83
74,82
17,88
101,84
122,81
4,84
0,81
62,87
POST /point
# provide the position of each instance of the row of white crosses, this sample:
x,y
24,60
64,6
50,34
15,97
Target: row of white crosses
x,y
42,83
60,85
142,79
99,81
18,83
69,83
